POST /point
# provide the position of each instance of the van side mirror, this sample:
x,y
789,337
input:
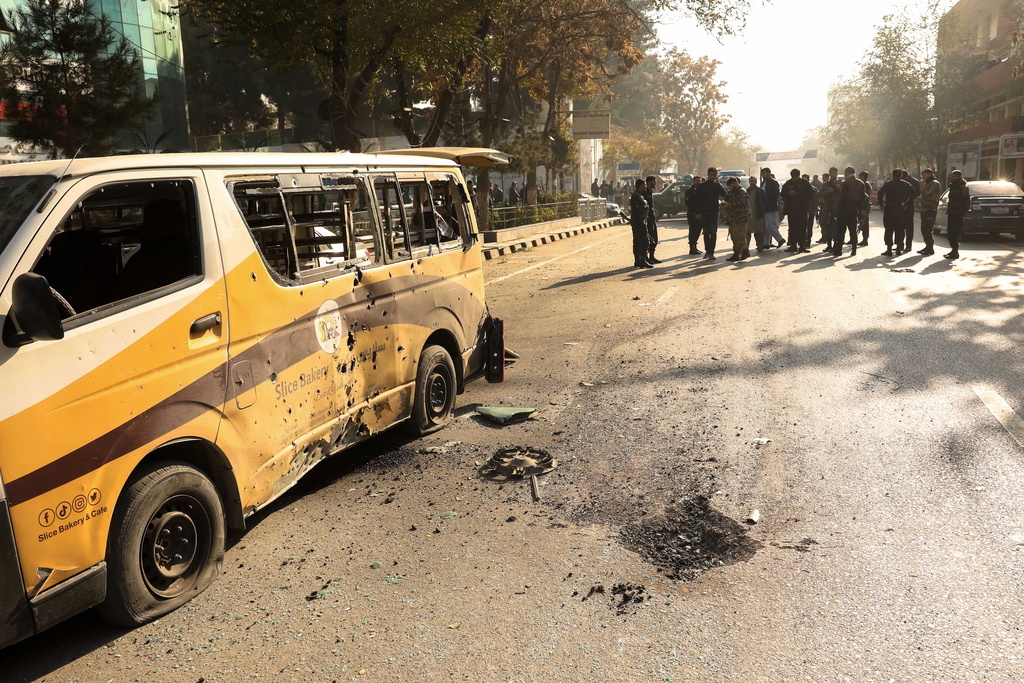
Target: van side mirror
x,y
35,310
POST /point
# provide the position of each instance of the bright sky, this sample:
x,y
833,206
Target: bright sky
x,y
780,68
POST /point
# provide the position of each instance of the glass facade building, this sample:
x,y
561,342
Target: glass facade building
x,y
153,27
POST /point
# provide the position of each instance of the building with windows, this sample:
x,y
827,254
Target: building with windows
x,y
980,40
153,27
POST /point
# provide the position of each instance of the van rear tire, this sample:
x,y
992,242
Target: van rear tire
x,y
166,544
436,387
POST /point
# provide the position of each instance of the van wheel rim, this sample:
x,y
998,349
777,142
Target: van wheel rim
x,y
439,391
175,546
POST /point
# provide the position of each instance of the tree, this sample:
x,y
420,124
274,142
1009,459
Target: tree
x,y
690,101
222,97
651,147
72,83
732,149
347,44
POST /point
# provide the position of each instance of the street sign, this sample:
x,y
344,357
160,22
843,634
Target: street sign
x,y
594,124
1011,146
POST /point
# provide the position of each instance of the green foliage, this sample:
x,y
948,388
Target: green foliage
x,y
73,83
690,99
911,85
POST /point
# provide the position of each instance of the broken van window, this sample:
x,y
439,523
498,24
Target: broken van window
x,y
307,233
121,241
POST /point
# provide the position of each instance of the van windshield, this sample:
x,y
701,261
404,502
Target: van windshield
x,y
18,194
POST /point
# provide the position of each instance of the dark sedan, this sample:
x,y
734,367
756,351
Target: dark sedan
x,y
996,206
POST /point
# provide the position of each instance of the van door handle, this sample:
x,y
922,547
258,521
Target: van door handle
x,y
207,322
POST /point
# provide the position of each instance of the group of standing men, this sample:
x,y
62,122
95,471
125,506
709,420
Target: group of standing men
x,y
840,205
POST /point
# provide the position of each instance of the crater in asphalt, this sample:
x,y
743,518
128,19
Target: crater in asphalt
x,y
690,538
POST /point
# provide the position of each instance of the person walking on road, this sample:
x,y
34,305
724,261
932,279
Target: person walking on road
x,y
931,190
864,217
796,198
638,209
737,216
908,220
771,208
691,215
707,197
831,206
652,221
957,205
851,195
757,210
893,197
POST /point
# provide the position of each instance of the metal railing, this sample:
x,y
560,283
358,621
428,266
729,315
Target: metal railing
x,y
589,210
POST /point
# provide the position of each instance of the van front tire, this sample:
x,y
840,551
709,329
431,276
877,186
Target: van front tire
x,y
166,544
436,388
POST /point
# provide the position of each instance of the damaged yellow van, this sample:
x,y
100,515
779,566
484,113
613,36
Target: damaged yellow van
x,y
185,336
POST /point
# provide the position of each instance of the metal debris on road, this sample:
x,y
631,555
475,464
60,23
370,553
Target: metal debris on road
x,y
506,415
517,462
753,517
762,442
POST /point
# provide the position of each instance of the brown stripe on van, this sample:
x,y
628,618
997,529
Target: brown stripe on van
x,y
289,346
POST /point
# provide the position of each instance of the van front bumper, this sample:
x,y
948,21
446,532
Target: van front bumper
x,y
16,621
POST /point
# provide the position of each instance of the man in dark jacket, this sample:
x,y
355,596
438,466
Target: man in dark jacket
x,y
771,208
757,210
706,201
638,209
514,197
851,195
908,217
797,193
691,215
652,221
957,205
893,197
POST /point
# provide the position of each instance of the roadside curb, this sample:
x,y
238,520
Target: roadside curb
x,y
496,250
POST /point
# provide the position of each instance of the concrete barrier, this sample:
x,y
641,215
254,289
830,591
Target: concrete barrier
x,y
541,233
521,231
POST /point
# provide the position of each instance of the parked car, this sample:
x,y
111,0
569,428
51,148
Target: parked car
x,y
612,209
670,201
996,206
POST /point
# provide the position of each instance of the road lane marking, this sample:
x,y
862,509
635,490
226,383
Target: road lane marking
x,y
544,263
669,293
1003,412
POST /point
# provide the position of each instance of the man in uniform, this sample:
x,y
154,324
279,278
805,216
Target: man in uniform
x,y
908,220
864,217
815,183
832,204
893,197
638,209
757,211
737,216
706,200
957,205
796,197
652,223
851,195
691,215
931,190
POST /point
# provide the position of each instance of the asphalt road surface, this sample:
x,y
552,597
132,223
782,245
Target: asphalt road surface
x,y
863,406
